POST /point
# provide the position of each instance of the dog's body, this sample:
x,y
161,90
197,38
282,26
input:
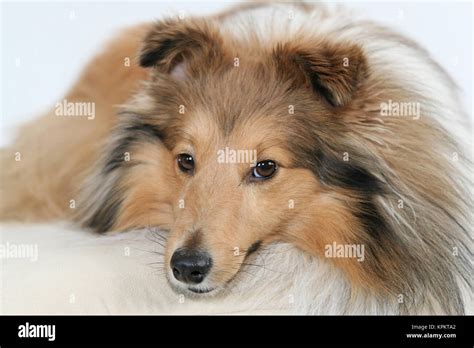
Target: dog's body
x,y
305,88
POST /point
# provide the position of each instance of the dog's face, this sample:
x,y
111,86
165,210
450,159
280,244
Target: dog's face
x,y
241,133
237,184
235,146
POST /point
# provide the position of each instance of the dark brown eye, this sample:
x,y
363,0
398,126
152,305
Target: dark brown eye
x,y
264,170
185,163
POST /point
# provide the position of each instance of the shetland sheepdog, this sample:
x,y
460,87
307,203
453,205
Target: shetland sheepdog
x,y
261,125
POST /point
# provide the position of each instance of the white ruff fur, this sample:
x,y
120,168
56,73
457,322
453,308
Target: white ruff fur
x,y
281,279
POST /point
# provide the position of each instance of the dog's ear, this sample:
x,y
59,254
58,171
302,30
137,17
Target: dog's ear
x,y
172,43
333,70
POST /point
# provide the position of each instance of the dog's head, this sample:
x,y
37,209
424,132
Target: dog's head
x,y
232,145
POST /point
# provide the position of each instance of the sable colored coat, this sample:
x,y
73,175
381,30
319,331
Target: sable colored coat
x,y
345,173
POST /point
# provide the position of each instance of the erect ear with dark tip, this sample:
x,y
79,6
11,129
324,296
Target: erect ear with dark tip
x,y
171,42
334,70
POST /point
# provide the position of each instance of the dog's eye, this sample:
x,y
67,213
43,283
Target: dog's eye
x,y
264,170
185,163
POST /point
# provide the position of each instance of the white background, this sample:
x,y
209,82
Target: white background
x,y
45,44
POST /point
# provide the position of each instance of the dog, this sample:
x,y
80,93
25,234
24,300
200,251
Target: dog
x,y
266,124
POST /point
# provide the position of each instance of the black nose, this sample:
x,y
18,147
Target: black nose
x,y
190,266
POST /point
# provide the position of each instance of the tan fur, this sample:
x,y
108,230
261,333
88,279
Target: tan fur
x,y
57,151
246,107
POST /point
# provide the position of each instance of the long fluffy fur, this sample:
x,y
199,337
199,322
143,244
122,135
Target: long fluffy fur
x,y
423,250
